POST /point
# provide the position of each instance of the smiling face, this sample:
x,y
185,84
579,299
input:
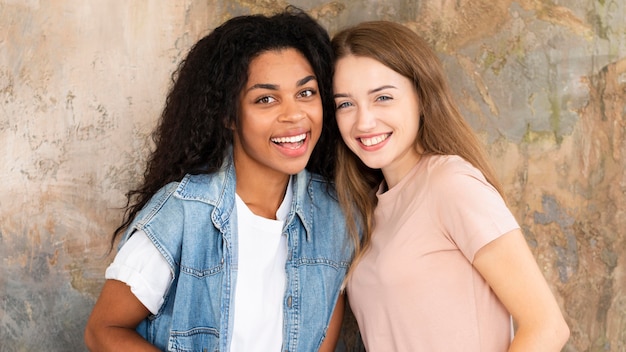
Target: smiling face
x,y
378,115
280,116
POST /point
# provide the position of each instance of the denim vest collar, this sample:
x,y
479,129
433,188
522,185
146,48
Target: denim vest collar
x,y
217,189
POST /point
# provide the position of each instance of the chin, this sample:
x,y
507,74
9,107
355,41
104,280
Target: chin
x,y
295,170
292,169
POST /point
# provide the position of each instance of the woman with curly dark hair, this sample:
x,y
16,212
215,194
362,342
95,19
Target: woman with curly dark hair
x,y
235,240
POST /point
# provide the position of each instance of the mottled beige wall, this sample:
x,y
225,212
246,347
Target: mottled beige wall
x,y
82,83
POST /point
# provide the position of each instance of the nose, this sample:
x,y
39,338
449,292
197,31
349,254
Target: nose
x,y
292,111
365,120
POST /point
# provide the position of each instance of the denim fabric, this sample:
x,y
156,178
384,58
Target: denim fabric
x,y
193,223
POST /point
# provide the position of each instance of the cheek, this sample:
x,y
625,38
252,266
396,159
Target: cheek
x,y
345,125
319,114
317,120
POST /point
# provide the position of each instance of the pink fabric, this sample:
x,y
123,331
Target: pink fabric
x,y
416,289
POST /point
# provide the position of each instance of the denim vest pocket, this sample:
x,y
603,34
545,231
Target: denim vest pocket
x,y
194,340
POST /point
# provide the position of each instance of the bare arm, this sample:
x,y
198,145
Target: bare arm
x,y
334,328
509,267
111,326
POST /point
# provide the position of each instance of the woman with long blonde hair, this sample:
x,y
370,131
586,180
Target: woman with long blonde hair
x,y
442,264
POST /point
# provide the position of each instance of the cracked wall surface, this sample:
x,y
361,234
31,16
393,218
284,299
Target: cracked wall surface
x,y
82,84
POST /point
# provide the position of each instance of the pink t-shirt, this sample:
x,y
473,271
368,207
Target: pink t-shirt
x,y
416,289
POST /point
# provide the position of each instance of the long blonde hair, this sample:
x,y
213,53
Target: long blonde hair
x,y
442,128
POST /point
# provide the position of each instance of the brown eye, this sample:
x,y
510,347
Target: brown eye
x,y
307,93
265,100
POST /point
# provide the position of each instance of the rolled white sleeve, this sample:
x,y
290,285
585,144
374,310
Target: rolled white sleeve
x,y
140,265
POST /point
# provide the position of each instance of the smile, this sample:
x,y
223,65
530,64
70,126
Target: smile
x,y
292,141
368,142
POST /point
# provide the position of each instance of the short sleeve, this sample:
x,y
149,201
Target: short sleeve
x,y
141,266
470,209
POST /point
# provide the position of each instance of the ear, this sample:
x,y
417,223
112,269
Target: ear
x,y
231,125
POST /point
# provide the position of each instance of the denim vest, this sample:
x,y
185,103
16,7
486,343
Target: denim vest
x,y
193,223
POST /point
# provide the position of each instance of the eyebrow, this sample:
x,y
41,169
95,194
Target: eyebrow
x,y
376,90
371,91
271,86
305,80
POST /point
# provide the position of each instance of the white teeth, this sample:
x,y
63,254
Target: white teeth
x,y
368,142
292,139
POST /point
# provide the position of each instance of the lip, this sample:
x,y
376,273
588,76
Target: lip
x,y
373,142
293,144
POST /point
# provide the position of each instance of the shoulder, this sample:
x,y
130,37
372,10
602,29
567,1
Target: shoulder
x,y
175,194
155,204
451,173
316,200
205,188
176,202
449,165
317,190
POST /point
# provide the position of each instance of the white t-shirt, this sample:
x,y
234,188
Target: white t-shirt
x,y
141,266
261,281
261,276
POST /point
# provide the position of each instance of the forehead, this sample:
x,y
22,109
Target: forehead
x,y
278,65
363,72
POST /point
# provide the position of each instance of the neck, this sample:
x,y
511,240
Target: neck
x,y
394,173
262,195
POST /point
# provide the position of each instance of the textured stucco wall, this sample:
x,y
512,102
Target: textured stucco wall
x,y
82,83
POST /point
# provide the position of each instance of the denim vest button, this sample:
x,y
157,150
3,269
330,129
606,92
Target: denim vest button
x,y
289,301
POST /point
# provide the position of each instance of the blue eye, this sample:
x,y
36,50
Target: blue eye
x,y
343,105
384,98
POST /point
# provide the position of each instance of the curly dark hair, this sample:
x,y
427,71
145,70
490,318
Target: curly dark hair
x,y
192,135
